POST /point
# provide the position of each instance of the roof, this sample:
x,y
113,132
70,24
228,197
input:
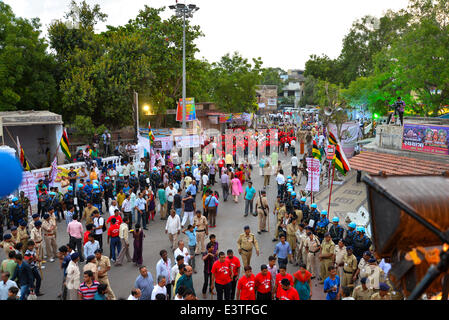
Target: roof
x,y
28,118
374,162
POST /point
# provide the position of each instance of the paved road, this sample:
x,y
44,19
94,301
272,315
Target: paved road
x,y
230,222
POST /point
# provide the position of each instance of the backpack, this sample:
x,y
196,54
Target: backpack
x,y
104,224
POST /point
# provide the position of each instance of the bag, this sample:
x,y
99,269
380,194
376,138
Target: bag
x,y
103,226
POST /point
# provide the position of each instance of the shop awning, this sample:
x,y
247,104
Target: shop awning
x,y
374,162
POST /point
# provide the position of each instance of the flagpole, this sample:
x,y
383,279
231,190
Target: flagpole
x,y
330,193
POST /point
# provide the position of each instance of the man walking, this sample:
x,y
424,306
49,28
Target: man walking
x,y
200,222
283,251
75,231
222,277
262,211
245,244
144,283
189,206
123,234
163,268
250,192
173,228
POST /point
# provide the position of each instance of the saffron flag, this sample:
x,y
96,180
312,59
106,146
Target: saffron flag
x,y
340,161
23,160
65,144
150,135
316,153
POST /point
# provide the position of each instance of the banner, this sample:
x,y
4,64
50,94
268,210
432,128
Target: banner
x,y
28,186
190,110
54,172
426,138
187,141
350,133
314,169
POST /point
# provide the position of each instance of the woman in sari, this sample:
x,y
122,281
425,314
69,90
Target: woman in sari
x,y
138,245
151,205
236,188
303,283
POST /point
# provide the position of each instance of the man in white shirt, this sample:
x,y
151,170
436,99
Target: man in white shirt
x,y
173,228
295,162
170,195
280,179
197,175
159,288
113,207
98,227
135,294
181,250
5,284
112,173
204,179
140,207
127,208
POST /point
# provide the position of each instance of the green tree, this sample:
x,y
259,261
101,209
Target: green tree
x,y
310,96
272,76
26,79
235,80
323,68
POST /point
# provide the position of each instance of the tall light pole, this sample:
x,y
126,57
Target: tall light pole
x,y
184,11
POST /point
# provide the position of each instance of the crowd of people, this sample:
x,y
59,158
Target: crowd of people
x,y
104,208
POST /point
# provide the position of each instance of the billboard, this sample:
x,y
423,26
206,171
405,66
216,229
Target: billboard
x,y
426,138
190,110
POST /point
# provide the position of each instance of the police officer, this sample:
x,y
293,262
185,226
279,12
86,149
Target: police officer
x,y
155,179
321,225
49,230
133,181
280,216
326,256
349,265
245,244
16,212
52,202
305,210
336,230
34,217
314,215
97,197
350,234
81,196
177,175
23,235
120,183
143,180
361,243
36,236
26,204
313,246
262,210
383,293
108,191
69,198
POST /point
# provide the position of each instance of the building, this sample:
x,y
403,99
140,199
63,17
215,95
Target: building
x,y
39,133
293,91
267,98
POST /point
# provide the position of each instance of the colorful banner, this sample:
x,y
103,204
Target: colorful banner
x,y
190,110
426,138
28,186
225,118
314,169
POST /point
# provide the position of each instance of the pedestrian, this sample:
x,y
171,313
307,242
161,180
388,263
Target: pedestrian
x,y
349,267
246,286
123,234
313,247
250,192
144,282
161,195
287,292
211,204
191,234
209,259
135,294
225,183
159,288
75,231
114,239
49,228
173,228
5,285
163,268
99,227
91,246
185,280
283,251
202,230
91,265
189,206
263,284
222,277
9,264
138,236
303,282
245,244
339,253
383,293
103,267
263,211
332,284
36,237
32,258
362,292
292,227
72,280
181,250
236,187
140,207
278,281
326,256
234,263
89,287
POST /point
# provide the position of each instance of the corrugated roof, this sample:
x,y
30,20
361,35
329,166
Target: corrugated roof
x,y
374,162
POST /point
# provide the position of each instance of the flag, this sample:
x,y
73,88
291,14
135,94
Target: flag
x,y
340,161
23,160
150,134
316,153
65,144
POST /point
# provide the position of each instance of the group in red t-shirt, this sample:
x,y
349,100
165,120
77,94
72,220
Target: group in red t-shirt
x,y
222,272
113,230
279,278
246,287
290,294
263,283
118,218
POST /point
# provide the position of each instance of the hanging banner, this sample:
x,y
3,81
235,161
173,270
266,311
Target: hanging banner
x,y
188,141
314,170
426,138
28,186
190,110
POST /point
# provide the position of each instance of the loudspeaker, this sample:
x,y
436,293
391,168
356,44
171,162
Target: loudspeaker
x,y
394,229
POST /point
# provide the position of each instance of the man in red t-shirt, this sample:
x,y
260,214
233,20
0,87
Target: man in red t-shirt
x,y
287,291
113,235
263,284
222,277
281,275
234,262
117,217
246,285
89,229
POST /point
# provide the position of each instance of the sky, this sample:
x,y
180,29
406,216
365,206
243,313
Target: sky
x,y
284,33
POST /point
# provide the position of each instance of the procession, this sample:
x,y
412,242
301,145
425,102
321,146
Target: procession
x,y
124,178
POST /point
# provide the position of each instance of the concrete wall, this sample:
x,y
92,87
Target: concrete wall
x,y
388,136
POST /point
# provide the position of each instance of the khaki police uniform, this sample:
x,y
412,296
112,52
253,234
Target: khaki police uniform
x,y
339,254
102,265
291,237
23,237
245,245
36,236
7,246
349,267
313,250
360,294
326,248
280,215
201,225
375,275
50,238
301,253
262,212
91,267
376,296
87,214
298,215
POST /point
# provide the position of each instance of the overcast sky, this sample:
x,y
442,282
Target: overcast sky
x,y
284,33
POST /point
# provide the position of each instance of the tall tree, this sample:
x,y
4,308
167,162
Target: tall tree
x,y
272,76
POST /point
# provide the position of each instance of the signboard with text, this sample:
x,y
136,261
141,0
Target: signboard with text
x,y
188,141
426,138
190,110
314,169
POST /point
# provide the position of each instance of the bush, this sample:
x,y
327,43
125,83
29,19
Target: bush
x,y
84,128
